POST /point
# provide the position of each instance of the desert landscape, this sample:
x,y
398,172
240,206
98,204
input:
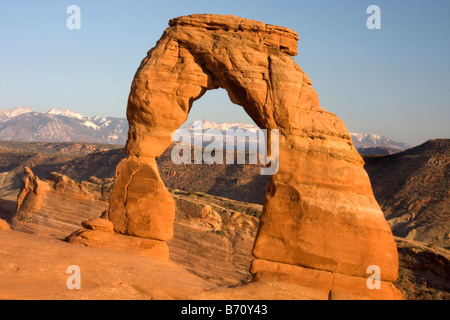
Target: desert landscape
x,y
214,228
95,208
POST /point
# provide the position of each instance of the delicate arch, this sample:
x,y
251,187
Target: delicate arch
x,y
319,212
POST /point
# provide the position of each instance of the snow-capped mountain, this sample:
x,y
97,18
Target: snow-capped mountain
x,y
14,112
208,124
66,113
202,134
360,140
54,125
371,140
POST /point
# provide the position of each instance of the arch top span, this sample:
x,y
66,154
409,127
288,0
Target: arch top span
x,y
249,59
319,211
283,38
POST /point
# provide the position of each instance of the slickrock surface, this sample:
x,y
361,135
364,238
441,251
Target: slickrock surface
x,y
57,205
216,233
35,267
213,236
213,239
320,211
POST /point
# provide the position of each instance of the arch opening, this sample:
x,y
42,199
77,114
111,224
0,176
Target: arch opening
x,y
217,206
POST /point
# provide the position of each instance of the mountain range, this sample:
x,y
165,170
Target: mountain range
x,y
25,124
54,125
368,143
371,140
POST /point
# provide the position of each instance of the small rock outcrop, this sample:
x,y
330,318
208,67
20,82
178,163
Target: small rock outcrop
x,y
100,233
4,225
30,196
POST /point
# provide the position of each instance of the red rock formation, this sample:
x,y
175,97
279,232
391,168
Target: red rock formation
x,y
99,233
319,213
4,225
55,206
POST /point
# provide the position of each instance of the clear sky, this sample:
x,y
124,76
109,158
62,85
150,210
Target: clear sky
x,y
394,81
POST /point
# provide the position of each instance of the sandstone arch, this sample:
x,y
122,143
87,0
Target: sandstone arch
x,y
320,218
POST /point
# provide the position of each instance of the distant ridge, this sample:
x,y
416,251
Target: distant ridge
x,y
369,143
371,140
412,187
55,125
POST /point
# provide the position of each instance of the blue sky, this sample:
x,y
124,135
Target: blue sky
x,y
394,81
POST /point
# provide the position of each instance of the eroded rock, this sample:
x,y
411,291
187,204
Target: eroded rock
x,y
319,212
98,224
109,240
55,206
140,204
4,225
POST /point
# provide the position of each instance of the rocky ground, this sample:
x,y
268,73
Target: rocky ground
x,y
44,158
211,249
413,189
210,253
424,272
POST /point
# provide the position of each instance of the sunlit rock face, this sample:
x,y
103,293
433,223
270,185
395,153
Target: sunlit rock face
x,y
319,211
